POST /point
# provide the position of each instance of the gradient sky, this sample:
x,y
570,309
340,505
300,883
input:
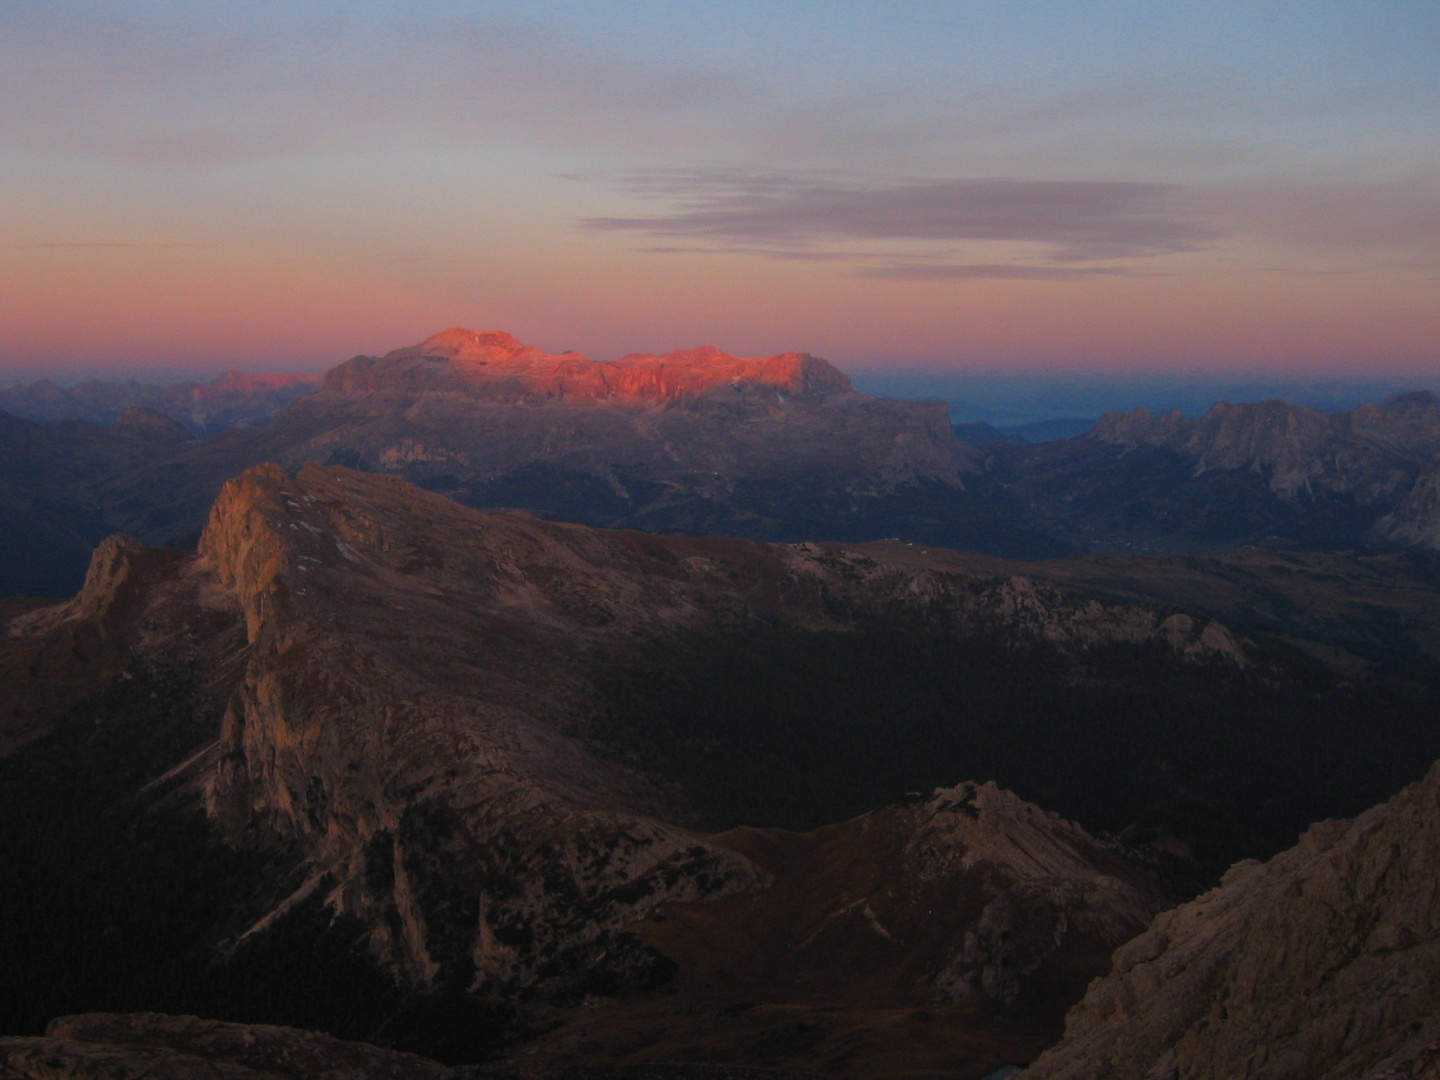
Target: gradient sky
x,y
1179,188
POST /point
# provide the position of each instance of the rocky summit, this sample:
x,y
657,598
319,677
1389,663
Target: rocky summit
x,y
495,366
696,441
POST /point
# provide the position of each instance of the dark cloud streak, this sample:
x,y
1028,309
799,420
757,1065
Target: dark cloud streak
x,y
1078,221
989,272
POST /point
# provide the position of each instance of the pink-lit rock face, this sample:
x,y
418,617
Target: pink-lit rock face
x,y
495,366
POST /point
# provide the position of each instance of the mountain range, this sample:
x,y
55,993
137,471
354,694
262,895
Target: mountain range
x,y
1240,474
700,442
233,399
479,784
640,719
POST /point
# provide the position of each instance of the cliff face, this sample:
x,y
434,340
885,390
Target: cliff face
x,y
1322,963
1368,454
414,669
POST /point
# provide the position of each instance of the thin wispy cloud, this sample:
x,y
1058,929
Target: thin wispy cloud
x,y
101,245
1074,221
201,93
989,272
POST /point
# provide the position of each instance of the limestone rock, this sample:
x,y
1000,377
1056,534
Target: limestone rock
x,y
1323,963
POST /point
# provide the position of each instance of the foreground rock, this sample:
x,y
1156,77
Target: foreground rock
x,y
392,766
1323,963
109,1046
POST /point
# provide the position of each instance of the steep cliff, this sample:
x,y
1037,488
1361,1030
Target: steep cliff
x,y
1322,963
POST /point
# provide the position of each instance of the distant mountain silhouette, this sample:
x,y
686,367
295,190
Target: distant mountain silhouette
x,y
1239,474
232,399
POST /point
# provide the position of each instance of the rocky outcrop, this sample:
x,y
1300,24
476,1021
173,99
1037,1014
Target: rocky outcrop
x,y
120,1046
1139,428
930,920
1049,883
1322,963
152,424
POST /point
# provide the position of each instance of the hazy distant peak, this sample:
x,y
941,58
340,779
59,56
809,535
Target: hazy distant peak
x,y
143,420
1139,428
1414,401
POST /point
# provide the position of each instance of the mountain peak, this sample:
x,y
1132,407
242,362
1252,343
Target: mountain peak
x,y
494,366
460,343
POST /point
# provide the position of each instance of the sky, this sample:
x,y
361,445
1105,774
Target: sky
x,y
1058,189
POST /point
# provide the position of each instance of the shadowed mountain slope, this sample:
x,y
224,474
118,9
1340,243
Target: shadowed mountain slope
x,y
375,762
54,483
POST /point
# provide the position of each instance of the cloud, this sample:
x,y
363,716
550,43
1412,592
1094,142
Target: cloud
x,y
101,245
989,272
183,90
1399,218
1076,220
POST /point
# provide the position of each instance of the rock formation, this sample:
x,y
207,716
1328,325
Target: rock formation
x,y
406,685
1322,963
407,657
1369,454
1238,474
129,1047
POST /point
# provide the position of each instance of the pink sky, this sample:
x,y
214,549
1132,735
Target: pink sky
x,y
270,188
